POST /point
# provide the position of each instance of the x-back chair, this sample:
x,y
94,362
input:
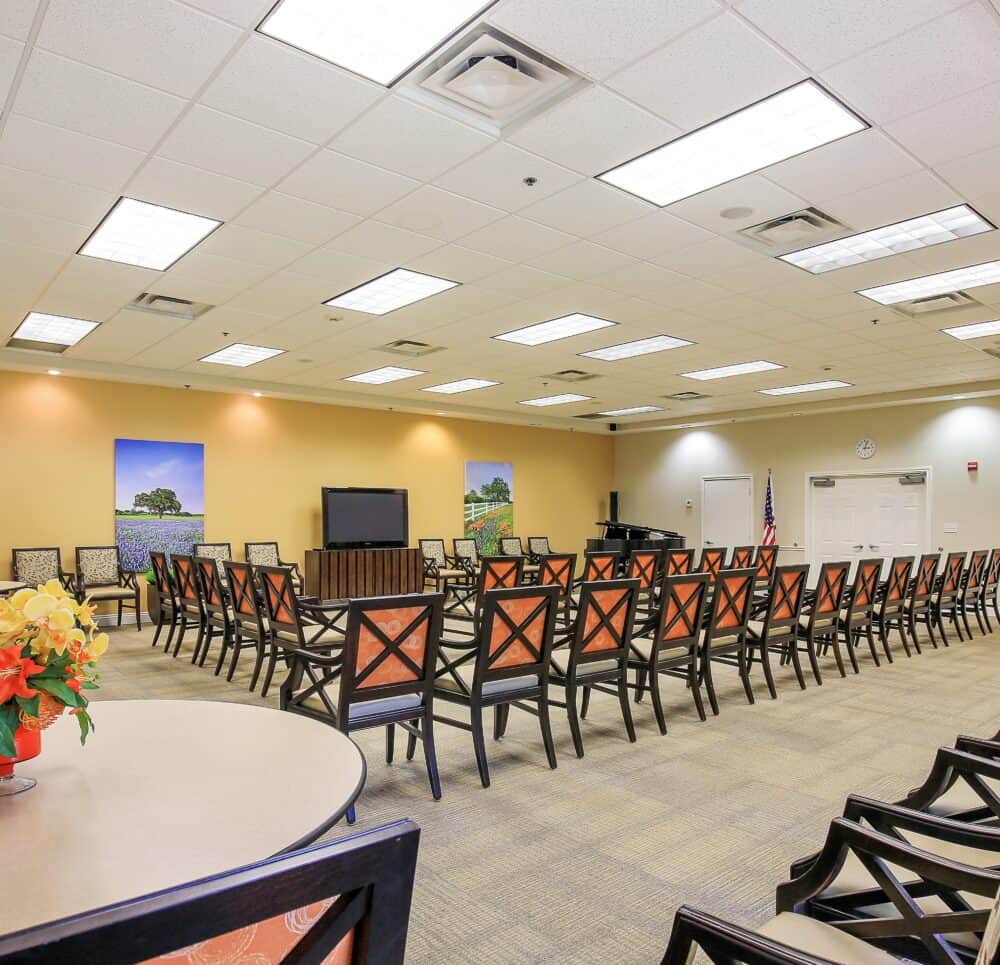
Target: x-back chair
x,y
345,901
465,603
725,637
538,546
507,664
945,603
597,653
217,551
35,566
466,555
890,613
100,577
742,557
819,626
963,783
918,607
678,562
766,561
713,558
440,569
559,569
778,631
673,649
644,566
599,565
265,553
383,673
856,617
189,602
169,607
988,598
250,626
970,596
217,608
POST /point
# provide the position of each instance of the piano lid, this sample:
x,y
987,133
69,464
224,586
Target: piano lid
x,y
616,529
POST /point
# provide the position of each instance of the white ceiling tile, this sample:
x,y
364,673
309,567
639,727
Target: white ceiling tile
x,y
203,265
158,42
58,153
226,145
439,214
458,264
822,33
124,335
952,129
191,189
271,84
651,236
24,272
843,167
516,239
410,140
593,131
242,12
582,260
372,239
765,199
16,17
496,176
601,35
893,201
522,281
94,288
281,295
683,82
91,101
36,194
17,227
338,270
10,57
586,209
256,247
342,182
947,57
974,176
281,214
641,280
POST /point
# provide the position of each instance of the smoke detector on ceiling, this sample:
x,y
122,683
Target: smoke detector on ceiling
x,y
493,82
800,229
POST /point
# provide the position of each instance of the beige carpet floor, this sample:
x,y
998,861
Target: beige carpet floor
x,y
587,863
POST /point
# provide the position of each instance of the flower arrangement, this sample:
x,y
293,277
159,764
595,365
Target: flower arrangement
x,y
48,655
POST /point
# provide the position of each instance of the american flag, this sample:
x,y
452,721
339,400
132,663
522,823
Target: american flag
x,y
770,525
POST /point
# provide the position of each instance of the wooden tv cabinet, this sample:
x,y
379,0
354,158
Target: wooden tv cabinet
x,y
348,574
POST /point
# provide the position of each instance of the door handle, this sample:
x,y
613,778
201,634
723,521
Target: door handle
x,y
872,546
859,546
708,542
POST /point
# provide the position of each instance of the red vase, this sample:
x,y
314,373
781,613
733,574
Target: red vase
x,y
27,744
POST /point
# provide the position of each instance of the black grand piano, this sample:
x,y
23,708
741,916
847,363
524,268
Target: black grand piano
x,y
622,538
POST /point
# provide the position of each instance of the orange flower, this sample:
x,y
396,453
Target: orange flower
x,y
14,673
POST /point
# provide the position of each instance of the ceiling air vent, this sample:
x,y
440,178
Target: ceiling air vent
x,y
936,303
33,346
488,76
800,229
166,305
410,348
992,352
571,375
686,396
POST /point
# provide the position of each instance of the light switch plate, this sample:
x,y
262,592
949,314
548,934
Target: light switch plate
x,y
951,527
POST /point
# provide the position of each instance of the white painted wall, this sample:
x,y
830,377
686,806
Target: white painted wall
x,y
655,472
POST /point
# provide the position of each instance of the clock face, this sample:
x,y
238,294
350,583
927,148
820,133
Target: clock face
x,y
865,449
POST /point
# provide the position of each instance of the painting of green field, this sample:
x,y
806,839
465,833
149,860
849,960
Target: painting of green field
x,y
489,504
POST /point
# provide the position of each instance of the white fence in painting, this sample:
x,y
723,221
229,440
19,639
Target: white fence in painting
x,y
474,511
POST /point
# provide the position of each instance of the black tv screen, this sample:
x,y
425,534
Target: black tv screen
x,y
365,518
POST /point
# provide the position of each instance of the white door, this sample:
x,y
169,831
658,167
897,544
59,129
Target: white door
x,y
727,511
861,517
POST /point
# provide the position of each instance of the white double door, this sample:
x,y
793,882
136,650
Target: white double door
x,y
727,516
862,517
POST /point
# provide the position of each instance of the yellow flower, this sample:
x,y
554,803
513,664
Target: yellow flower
x,y
61,619
85,614
54,588
39,605
18,600
98,645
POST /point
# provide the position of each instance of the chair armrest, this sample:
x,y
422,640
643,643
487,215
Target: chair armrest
x,y
294,567
950,765
723,941
981,746
128,578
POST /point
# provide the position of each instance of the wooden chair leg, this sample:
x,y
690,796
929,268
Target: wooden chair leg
x,y
813,660
625,706
430,755
706,674
792,651
479,744
138,616
227,642
411,741
586,703
181,630
745,674
390,742
157,632
980,612
574,717
695,687
272,662
198,642
765,659
257,664
640,683
654,693
902,636
119,613
546,726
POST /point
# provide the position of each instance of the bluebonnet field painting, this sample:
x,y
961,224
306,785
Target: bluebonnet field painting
x,y
489,504
159,498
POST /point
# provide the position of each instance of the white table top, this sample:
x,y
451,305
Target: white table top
x,y
165,792
8,586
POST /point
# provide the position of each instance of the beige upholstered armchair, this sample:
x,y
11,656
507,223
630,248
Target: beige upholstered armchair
x,y
265,553
37,565
100,578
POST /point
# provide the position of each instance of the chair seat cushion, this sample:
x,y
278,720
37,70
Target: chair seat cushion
x,y
822,623
447,573
311,636
560,665
365,709
645,646
756,627
492,688
110,593
822,940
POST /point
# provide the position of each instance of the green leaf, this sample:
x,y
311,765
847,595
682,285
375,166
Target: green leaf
x,y
7,728
58,689
86,725
28,705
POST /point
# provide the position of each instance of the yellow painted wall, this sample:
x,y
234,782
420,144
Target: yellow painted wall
x,y
265,461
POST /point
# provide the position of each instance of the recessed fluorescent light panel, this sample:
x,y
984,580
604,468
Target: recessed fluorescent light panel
x,y
379,39
396,289
56,329
781,126
806,387
557,399
635,410
388,373
146,235
727,371
242,355
923,232
944,282
978,330
462,385
644,346
555,329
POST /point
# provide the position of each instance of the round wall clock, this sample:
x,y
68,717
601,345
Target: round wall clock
x,y
865,449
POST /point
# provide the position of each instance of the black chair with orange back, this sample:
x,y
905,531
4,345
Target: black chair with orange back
x,y
600,565
713,558
945,602
558,569
742,557
464,604
169,609
678,562
725,637
250,627
890,613
192,613
644,566
597,652
856,616
766,561
988,598
217,607
969,599
919,603
778,631
818,624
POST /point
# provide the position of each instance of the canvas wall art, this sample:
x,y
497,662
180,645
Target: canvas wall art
x,y
489,504
159,498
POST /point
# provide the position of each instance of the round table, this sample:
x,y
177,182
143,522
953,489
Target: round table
x,y
10,586
165,792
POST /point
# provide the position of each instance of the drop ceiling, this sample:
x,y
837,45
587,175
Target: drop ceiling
x,y
325,180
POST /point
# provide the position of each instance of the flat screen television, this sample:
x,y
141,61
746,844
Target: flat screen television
x,y
357,518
